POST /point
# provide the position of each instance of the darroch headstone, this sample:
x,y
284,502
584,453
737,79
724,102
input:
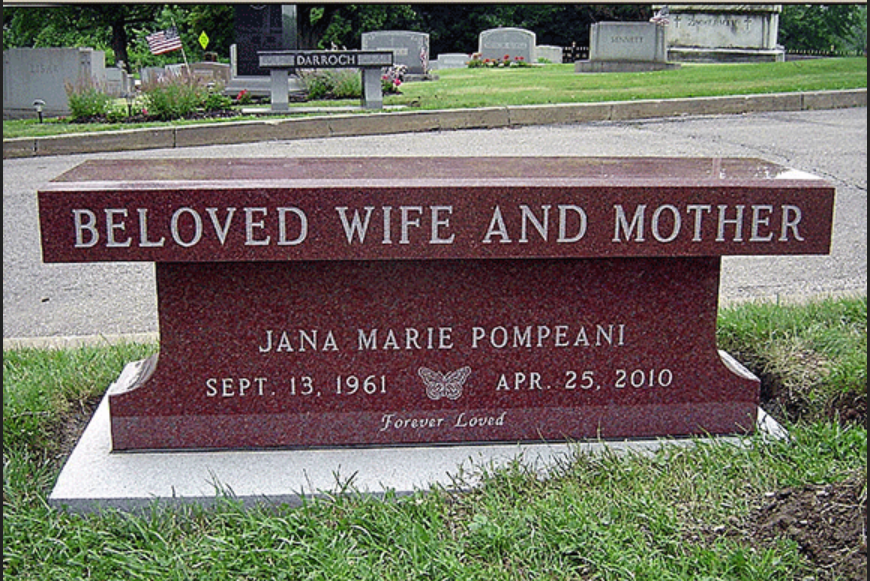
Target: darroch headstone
x,y
508,42
410,49
312,302
43,73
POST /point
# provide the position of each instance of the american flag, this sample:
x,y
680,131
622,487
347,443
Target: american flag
x,y
661,16
164,41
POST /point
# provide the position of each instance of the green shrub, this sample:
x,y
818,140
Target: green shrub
x,y
347,84
178,96
87,99
216,101
331,83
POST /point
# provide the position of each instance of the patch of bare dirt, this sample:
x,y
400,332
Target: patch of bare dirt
x,y
828,523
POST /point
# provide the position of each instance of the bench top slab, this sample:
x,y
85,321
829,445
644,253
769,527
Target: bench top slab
x,y
278,209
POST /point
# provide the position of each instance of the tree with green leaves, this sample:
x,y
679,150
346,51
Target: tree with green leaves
x,y
824,28
100,26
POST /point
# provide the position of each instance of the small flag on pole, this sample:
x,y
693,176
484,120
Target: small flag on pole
x,y
164,41
661,16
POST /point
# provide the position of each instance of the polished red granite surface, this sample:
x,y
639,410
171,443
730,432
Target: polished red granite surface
x,y
378,301
446,208
325,353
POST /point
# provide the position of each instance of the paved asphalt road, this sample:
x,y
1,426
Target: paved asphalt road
x,y
119,298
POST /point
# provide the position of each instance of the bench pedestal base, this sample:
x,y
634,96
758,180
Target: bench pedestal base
x,y
319,354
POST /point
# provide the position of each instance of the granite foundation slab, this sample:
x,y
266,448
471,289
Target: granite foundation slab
x,y
591,66
95,478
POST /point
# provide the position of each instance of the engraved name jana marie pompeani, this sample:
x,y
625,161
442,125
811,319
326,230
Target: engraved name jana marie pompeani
x,y
540,336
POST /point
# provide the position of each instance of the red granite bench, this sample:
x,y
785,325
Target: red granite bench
x,y
377,301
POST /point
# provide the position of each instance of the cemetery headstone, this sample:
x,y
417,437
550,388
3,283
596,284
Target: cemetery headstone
x,y
211,72
548,53
625,47
262,27
409,48
724,33
42,73
259,28
118,82
451,60
382,301
514,43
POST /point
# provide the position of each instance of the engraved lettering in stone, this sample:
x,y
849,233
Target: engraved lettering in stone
x,y
85,225
390,421
791,217
357,226
197,227
111,226
571,227
546,336
282,226
143,232
438,223
626,39
726,224
393,421
519,380
440,338
527,216
758,220
300,340
221,230
496,228
250,225
355,223
564,218
465,420
407,222
225,387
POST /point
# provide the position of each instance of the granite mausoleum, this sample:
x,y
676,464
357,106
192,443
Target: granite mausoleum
x,y
381,301
724,33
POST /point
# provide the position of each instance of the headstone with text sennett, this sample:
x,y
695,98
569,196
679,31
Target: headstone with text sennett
x,y
381,301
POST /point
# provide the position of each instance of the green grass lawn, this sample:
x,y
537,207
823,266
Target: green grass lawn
x,y
680,514
548,84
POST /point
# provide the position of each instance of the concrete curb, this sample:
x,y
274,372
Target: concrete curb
x,y
429,120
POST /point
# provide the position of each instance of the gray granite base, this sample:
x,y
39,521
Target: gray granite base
x,y
622,66
95,478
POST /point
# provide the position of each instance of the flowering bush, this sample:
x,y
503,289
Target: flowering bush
x,y
393,78
244,97
477,61
87,99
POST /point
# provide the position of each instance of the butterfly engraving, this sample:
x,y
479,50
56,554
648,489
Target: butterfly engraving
x,y
447,385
